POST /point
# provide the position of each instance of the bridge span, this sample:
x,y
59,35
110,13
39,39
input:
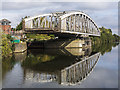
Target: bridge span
x,y
66,22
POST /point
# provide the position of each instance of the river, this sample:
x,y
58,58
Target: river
x,y
92,67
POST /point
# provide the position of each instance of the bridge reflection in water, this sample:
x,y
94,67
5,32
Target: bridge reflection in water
x,y
79,71
70,74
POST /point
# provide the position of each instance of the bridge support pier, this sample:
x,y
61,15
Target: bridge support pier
x,y
79,43
62,43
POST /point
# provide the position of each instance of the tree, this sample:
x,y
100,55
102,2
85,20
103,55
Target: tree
x,y
6,46
106,36
116,38
19,26
12,29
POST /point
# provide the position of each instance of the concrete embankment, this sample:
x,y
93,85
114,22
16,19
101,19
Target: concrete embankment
x,y
20,47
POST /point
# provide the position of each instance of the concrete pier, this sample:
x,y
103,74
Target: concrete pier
x,y
20,47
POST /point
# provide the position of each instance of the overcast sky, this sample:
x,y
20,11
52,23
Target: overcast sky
x,y
103,13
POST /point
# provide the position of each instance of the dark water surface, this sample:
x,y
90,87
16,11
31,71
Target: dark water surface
x,y
93,67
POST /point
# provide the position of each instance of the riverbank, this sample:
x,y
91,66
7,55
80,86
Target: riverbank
x,y
8,46
106,37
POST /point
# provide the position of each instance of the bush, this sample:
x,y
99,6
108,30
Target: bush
x,y
6,46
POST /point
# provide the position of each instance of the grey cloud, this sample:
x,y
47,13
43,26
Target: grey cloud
x,y
102,13
74,5
22,5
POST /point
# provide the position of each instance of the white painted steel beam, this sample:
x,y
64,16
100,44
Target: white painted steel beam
x,y
89,25
73,13
72,32
41,15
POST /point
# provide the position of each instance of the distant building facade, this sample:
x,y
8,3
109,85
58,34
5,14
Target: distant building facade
x,y
5,26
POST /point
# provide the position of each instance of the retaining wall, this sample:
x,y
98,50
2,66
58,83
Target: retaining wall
x,y
20,47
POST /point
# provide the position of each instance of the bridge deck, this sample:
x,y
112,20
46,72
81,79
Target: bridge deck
x,y
50,31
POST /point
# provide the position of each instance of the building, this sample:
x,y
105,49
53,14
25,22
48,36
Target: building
x,y
5,25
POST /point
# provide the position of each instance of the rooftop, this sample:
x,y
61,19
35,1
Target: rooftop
x,y
4,20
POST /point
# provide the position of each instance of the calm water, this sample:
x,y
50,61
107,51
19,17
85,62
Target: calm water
x,y
93,67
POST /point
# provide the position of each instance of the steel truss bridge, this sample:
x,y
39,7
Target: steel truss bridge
x,y
70,22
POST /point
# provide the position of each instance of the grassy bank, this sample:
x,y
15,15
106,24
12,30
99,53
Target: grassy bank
x,y
39,37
